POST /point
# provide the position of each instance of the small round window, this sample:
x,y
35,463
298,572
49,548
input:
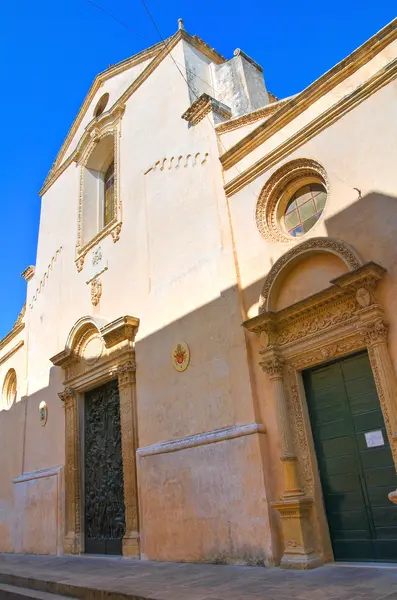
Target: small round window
x,y
304,209
102,103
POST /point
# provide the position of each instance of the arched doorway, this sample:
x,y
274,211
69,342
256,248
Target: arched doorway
x,y
321,325
101,497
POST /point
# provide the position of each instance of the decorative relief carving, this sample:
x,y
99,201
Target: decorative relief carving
x,y
376,332
314,244
325,319
96,256
267,219
178,162
126,374
96,291
300,439
273,367
116,232
45,276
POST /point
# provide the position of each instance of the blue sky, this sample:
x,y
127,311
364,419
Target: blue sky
x,y
51,51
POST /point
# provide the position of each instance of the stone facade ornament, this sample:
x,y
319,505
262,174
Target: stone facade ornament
x,y
43,413
96,291
90,358
343,318
180,356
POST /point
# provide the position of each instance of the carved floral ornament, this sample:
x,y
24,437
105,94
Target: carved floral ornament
x,y
278,189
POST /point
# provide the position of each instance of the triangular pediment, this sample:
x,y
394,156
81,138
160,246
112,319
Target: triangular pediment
x,y
122,79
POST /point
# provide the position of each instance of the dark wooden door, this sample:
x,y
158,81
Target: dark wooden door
x,y
103,472
354,459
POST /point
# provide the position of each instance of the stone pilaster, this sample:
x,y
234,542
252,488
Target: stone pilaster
x,y
129,441
375,334
295,510
275,369
72,540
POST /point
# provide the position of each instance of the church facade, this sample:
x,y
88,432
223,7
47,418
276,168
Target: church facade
x,y
205,367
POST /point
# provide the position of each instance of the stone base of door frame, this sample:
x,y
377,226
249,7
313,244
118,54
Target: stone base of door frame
x,y
299,550
131,545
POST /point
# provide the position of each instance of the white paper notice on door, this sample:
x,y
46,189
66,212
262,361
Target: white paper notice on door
x,y
374,438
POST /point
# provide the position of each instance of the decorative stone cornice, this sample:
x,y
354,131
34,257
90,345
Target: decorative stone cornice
x,y
157,53
120,330
28,273
255,115
330,308
204,105
311,94
301,137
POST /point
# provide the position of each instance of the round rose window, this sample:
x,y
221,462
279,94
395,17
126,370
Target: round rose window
x,y
304,209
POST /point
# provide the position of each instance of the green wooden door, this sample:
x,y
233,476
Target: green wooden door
x,y
354,459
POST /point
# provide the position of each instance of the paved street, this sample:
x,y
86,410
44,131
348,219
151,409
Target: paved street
x,y
170,581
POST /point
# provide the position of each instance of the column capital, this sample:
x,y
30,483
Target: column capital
x,y
68,392
126,374
274,367
375,332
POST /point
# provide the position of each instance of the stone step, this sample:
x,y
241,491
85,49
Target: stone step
x,y
18,587
13,592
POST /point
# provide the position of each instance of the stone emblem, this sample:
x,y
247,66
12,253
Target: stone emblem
x,y
181,356
43,413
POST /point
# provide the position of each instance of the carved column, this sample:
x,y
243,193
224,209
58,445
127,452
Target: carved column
x,y
275,368
375,336
129,442
72,540
295,510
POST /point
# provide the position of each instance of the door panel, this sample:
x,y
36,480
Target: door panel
x,y
103,471
356,478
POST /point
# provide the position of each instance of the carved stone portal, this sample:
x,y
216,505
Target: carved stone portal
x,y
95,355
343,318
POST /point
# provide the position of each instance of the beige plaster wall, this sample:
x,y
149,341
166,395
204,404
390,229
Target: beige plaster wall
x,y
307,277
198,492
12,436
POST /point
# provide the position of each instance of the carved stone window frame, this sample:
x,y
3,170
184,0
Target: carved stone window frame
x,y
96,353
108,123
279,189
341,320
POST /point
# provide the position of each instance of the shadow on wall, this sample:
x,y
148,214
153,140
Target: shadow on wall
x,y
369,225
30,520
204,503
